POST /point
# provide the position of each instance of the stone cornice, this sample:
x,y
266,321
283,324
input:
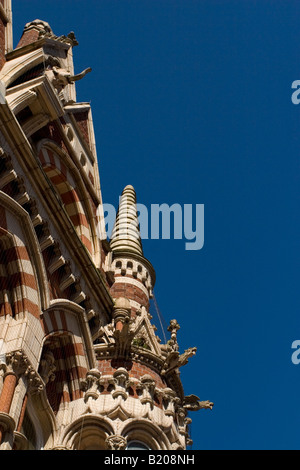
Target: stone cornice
x,y
36,45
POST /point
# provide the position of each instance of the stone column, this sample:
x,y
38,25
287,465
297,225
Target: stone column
x,y
9,385
22,414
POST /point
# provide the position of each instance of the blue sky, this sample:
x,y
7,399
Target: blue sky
x,y
192,104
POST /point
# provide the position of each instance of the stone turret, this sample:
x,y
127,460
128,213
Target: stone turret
x,y
133,273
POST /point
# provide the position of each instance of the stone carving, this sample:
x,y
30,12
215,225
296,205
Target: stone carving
x,y
45,31
120,382
193,403
91,384
19,364
174,360
39,24
60,77
170,400
47,367
116,442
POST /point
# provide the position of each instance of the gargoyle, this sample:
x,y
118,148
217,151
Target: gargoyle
x,y
183,358
61,77
193,403
174,360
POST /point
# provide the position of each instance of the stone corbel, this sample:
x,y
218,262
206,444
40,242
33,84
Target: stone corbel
x,y
60,77
121,383
147,389
183,423
47,367
35,382
91,385
173,328
19,364
116,442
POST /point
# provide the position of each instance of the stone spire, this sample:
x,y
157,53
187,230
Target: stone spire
x,y
126,236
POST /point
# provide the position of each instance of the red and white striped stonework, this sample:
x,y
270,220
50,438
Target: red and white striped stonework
x,y
63,339
65,185
18,285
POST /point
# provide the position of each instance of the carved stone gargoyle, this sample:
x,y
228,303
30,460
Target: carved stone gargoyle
x,y
175,360
193,403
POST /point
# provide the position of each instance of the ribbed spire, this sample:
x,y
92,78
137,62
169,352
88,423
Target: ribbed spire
x,y
126,236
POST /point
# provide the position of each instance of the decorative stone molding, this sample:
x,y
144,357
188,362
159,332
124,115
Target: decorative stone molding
x,y
39,25
116,442
19,364
121,312
147,389
123,332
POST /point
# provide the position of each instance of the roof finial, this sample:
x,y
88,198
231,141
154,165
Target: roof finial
x,y
126,236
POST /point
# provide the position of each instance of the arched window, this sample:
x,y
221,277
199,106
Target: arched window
x,y
137,445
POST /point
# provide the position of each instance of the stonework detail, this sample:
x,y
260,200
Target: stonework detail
x,y
116,443
81,365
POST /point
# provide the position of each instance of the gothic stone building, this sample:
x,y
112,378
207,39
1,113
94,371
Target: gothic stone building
x,y
81,366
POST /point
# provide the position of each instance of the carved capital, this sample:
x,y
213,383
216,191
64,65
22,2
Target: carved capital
x,y
121,382
116,442
19,365
121,310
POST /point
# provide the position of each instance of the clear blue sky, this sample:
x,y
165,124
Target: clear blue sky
x,y
192,104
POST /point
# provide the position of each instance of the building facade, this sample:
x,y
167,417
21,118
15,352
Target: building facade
x,y
81,366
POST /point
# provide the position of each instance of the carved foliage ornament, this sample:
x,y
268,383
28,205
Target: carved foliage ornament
x,y
19,363
116,442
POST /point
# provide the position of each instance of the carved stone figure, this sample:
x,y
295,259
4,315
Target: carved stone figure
x,y
47,367
174,360
60,77
193,403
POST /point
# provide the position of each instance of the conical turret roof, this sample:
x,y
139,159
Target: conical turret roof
x,y
126,235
